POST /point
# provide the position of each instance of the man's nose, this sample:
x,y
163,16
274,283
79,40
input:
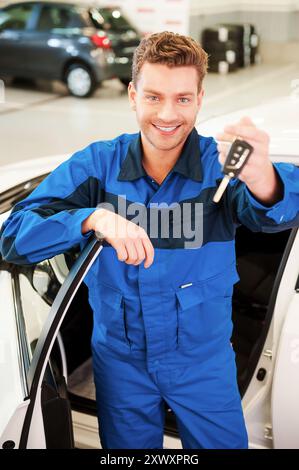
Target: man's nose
x,y
167,112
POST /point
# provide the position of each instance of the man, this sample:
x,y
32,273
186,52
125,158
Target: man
x,y
162,308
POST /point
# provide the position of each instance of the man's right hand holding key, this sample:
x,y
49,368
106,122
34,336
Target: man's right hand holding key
x,y
258,173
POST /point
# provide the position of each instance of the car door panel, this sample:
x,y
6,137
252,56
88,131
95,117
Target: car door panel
x,y
52,40
13,47
285,389
34,414
13,388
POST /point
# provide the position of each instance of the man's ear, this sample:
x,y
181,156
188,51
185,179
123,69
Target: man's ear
x,y
200,97
132,95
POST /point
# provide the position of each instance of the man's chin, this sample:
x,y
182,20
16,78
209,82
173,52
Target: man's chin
x,y
166,142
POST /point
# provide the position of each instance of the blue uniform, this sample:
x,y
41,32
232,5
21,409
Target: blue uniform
x,y
161,333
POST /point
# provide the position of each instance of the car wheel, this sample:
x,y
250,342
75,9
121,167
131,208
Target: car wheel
x,y
80,81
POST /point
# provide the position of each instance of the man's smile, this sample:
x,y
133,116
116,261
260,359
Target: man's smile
x,y
169,130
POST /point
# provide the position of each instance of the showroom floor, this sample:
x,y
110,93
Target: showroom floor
x,y
42,120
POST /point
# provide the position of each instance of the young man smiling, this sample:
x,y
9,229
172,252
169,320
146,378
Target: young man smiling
x,y
162,312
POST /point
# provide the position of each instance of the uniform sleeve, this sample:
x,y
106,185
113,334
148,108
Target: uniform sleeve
x,y
257,217
49,220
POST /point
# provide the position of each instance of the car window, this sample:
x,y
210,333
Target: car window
x,y
110,19
36,287
15,18
57,18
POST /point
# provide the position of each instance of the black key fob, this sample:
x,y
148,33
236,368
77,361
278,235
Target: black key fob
x,y
237,157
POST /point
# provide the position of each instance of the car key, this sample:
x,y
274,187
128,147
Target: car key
x,y
235,161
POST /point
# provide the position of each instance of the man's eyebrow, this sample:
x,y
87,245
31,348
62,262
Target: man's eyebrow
x,y
152,91
186,93
182,93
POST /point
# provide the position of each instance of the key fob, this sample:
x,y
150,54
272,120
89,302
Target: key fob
x,y
237,157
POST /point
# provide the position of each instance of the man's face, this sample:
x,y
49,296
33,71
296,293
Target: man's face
x,y
166,102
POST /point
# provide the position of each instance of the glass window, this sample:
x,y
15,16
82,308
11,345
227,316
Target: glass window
x,y
110,19
15,18
55,18
38,287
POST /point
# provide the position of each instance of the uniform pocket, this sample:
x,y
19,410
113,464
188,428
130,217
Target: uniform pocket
x,y
110,315
204,310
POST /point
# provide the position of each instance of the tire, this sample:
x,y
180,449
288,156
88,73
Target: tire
x,y
222,67
228,32
80,81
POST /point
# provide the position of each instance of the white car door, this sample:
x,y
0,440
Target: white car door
x,y
28,422
262,413
285,389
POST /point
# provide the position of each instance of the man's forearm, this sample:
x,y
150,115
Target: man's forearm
x,y
268,189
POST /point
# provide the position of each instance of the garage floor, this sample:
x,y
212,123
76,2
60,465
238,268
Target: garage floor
x,y
40,119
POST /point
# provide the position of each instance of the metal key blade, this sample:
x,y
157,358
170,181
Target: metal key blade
x,y
221,188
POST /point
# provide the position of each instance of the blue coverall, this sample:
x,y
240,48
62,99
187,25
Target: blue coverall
x,y
161,333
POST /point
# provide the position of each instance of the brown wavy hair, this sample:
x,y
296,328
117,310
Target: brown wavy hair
x,y
171,49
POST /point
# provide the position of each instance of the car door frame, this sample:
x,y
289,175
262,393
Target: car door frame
x,y
29,438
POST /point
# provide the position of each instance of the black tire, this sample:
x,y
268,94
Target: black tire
x,y
216,46
222,67
234,32
80,81
228,51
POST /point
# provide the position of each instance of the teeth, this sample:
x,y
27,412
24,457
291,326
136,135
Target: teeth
x,y
167,129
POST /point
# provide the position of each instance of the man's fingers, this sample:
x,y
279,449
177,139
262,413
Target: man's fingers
x,y
233,131
225,137
246,133
223,147
120,248
244,129
245,120
132,252
140,251
149,251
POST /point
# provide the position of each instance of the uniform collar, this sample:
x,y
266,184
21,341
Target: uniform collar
x,y
188,164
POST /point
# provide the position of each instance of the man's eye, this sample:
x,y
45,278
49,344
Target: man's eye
x,y
184,100
152,98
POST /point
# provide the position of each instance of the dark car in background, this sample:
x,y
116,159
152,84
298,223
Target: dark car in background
x,y
81,45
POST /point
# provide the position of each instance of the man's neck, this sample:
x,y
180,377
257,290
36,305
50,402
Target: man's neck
x,y
158,163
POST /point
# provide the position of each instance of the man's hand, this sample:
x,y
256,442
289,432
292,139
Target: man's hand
x,y
130,241
258,174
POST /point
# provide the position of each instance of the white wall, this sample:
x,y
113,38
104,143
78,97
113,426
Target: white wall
x,y
276,20
155,15
224,6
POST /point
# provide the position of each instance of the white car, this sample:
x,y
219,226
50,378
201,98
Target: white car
x,y
47,397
